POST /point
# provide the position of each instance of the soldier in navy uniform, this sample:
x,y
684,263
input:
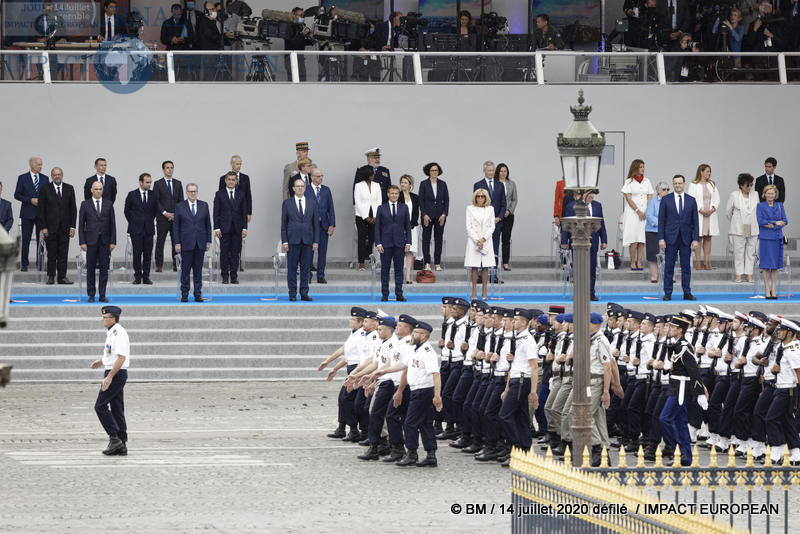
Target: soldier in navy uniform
x,y
685,382
115,360
469,375
455,345
780,422
396,413
382,176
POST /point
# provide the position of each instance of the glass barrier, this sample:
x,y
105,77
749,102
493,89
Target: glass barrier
x,y
256,65
353,67
478,68
118,69
699,67
21,66
792,67
617,68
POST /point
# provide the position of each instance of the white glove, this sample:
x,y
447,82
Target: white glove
x,y
703,402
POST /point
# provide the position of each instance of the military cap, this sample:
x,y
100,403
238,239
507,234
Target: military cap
x,y
560,318
759,315
508,312
543,319
775,318
477,303
111,309
556,309
568,317
536,312
447,300
595,318
371,315
742,316
754,321
407,319
496,310
633,314
460,302
523,312
301,145
725,316
355,311
650,317
702,310
612,306
680,322
689,314
424,326
373,152
387,320
790,325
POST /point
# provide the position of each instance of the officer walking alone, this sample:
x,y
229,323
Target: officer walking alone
x,y
115,360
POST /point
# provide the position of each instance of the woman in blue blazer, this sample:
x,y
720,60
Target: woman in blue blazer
x,y
771,220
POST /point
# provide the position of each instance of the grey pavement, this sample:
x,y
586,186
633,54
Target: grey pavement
x,y
219,457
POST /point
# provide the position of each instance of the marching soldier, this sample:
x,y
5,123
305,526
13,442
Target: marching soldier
x,y
471,376
553,419
369,348
110,404
396,413
765,361
455,344
444,361
740,345
542,332
751,386
466,376
630,348
562,404
492,322
600,369
661,366
782,428
637,402
718,342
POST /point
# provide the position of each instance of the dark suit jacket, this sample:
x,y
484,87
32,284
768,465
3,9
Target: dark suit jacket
x,y
141,216
294,177
208,35
167,202
325,211
120,28
191,231
433,207
230,217
685,16
191,28
597,237
761,183
392,232
383,30
297,230
172,28
6,215
109,189
25,192
415,209
54,215
498,196
296,40
244,187
677,230
92,227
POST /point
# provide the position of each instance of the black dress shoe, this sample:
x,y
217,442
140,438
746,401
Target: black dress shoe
x,y
199,298
235,281
292,298
115,446
473,448
352,436
384,299
184,298
594,298
103,299
321,281
91,299
429,461
65,282
364,442
488,454
507,462
461,442
667,297
305,298
147,281
689,296
401,298
137,281
51,281
225,281
410,458
339,433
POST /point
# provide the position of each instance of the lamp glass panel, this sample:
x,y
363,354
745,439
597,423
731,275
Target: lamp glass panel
x,y
588,170
569,166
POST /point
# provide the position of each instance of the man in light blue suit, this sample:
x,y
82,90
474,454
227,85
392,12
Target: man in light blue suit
x,y
678,232
300,237
327,218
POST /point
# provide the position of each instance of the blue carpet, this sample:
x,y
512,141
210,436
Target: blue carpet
x,y
328,299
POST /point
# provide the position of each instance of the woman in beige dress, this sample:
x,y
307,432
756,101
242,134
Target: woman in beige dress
x,y
480,250
706,194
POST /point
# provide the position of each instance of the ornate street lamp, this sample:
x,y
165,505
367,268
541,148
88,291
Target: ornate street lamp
x,y
580,148
9,251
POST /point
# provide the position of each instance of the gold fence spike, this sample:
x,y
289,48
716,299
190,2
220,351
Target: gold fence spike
x,y
567,456
786,462
768,457
549,454
695,456
731,456
677,456
749,457
604,457
586,464
622,462
712,461
658,463
640,457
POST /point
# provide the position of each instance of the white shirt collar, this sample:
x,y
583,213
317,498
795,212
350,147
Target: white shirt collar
x,y
230,190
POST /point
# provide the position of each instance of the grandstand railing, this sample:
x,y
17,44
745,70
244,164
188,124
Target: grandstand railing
x,y
418,68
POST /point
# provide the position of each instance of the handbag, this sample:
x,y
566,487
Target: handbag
x,y
425,277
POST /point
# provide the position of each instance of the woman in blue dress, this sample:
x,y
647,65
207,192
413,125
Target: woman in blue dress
x,y
771,220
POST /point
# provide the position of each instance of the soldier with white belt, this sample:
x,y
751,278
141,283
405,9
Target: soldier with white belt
x,y
782,426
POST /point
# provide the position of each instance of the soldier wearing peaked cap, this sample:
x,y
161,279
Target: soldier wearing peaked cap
x,y
684,383
396,412
461,401
751,385
382,175
455,343
562,405
444,362
601,364
110,404
782,429
291,168
350,354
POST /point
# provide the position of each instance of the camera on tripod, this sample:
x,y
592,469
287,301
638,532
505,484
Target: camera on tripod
x,y
493,23
410,23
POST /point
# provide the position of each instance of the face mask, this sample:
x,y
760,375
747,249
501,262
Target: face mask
x,y
301,20
213,15
189,5
371,31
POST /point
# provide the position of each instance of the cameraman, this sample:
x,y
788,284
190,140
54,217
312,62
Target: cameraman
x,y
210,37
368,67
731,31
684,68
652,24
679,19
547,37
766,32
299,37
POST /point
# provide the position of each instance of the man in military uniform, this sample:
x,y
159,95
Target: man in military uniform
x,y
426,386
467,385
751,385
110,405
562,406
601,375
369,347
556,342
292,168
382,176
453,350
780,422
685,382
396,413
547,37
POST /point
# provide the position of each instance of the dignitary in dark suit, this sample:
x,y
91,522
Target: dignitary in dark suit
x,y
770,178
434,203
141,207
242,184
300,238
6,213
57,213
678,232
304,167
112,24
169,192
27,193
497,195
192,237
108,182
393,240
230,226
327,219
599,238
177,34
97,235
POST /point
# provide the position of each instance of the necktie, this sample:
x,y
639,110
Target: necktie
x,y
231,196
301,206
770,180
58,192
680,204
394,212
144,197
97,203
169,184
194,210
491,189
36,182
317,193
108,27
102,181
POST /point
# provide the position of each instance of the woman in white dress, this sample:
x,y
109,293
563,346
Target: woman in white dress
x,y
412,201
706,194
480,249
637,191
741,211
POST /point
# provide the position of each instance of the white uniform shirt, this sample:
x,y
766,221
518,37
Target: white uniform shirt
x,y
503,364
354,346
705,361
632,353
388,353
719,363
371,345
738,346
472,342
756,346
405,349
485,366
461,332
648,343
659,355
773,355
526,350
423,362
446,336
789,362
117,344
599,353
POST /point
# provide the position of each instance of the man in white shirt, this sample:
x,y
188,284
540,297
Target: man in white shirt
x,y
110,406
